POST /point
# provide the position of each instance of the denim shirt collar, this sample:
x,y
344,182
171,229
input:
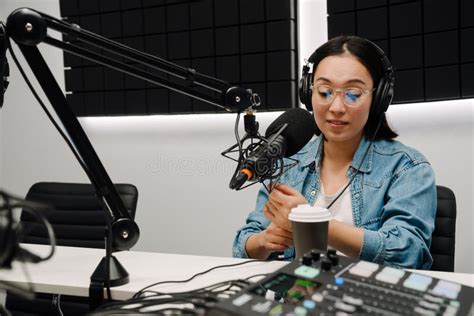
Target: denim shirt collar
x,y
312,153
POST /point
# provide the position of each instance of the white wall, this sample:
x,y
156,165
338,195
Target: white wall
x,y
176,212
185,205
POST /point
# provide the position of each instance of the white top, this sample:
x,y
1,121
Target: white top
x,y
342,208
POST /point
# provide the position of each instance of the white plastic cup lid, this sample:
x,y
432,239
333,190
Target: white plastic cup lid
x,y
309,214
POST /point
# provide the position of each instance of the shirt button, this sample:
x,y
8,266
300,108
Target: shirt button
x,y
356,195
313,193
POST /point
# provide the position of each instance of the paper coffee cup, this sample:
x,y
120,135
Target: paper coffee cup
x,y
310,228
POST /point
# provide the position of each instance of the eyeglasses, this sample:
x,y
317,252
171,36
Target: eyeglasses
x,y
352,97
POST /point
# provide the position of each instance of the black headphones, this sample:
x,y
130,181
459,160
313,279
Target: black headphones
x,y
8,235
383,94
11,231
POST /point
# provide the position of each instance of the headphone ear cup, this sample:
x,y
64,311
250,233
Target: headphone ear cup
x,y
309,93
301,89
382,98
387,95
305,91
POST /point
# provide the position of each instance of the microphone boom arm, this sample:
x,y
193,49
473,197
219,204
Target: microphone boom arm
x,y
28,28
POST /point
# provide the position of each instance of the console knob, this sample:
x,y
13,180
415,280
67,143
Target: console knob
x,y
326,264
331,252
334,259
307,260
315,254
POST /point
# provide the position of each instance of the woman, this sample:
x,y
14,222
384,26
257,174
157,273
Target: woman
x,y
386,214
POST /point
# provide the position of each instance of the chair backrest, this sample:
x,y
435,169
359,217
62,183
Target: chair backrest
x,y
444,235
78,218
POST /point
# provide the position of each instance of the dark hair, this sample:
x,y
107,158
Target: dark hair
x,y
370,57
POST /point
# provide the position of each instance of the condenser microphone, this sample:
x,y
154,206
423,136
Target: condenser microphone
x,y
285,136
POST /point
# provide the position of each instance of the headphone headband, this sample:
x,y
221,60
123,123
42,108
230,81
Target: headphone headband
x,y
383,93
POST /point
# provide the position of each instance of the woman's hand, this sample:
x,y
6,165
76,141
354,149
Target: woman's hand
x,y
280,202
273,238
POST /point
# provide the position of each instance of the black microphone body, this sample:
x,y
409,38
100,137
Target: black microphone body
x,y
261,162
285,136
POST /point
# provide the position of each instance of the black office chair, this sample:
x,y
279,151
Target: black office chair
x,y
444,235
78,220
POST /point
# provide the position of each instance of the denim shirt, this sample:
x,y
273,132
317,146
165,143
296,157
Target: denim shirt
x,y
393,198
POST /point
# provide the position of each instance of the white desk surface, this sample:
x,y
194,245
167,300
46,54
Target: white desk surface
x,y
69,270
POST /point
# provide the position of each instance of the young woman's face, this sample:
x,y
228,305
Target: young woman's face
x,y
341,98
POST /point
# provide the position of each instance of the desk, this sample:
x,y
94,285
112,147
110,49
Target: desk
x,y
69,270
